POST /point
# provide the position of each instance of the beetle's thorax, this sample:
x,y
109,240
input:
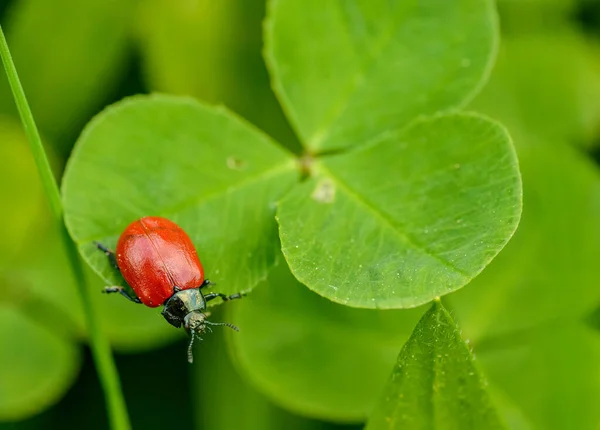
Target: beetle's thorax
x,y
185,307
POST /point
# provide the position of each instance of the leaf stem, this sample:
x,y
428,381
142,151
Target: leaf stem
x,y
101,351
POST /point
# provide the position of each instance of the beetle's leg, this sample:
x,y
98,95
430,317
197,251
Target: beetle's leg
x,y
225,297
111,255
123,292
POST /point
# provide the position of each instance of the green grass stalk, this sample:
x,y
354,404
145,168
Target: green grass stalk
x,y
101,350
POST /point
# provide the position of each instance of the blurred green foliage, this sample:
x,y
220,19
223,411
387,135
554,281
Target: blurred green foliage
x,y
525,315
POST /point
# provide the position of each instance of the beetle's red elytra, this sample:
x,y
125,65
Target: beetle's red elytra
x,y
160,264
154,255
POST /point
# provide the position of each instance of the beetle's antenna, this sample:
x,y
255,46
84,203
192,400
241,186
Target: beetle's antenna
x,y
190,351
231,326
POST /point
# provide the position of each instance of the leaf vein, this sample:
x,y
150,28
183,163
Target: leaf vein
x,y
196,200
393,225
355,83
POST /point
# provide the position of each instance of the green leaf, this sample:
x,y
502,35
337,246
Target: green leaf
x,y
549,270
68,53
252,409
416,214
523,91
346,70
435,384
312,356
201,167
546,378
36,365
218,57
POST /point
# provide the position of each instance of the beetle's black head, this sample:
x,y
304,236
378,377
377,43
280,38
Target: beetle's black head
x,y
195,322
188,308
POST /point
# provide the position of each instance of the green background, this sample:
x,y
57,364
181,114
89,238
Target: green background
x,y
529,316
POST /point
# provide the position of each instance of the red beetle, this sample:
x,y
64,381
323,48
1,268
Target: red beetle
x,y
159,262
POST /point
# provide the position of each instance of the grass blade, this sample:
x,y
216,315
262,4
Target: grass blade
x,y
101,351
